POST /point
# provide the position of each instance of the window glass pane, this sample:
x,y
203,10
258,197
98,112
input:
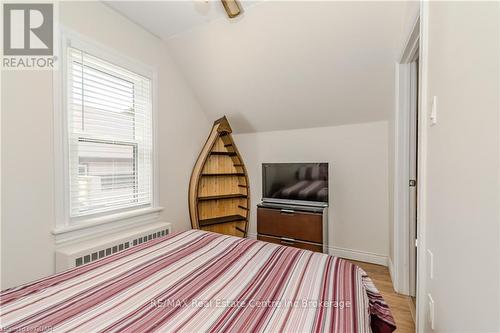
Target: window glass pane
x,y
107,175
102,103
110,132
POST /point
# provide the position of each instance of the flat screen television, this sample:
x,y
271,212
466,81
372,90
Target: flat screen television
x,y
299,183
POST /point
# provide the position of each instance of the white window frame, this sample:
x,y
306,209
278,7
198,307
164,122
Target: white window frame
x,y
66,228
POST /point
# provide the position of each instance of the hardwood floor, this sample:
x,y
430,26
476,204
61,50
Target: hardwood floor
x,y
400,305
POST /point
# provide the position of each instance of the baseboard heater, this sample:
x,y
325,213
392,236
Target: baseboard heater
x,y
91,250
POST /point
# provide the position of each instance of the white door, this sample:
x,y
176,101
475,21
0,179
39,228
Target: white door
x,y
413,177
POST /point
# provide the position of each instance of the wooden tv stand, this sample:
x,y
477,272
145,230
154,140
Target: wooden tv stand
x,y
303,227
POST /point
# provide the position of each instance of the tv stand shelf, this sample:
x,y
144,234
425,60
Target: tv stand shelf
x,y
303,227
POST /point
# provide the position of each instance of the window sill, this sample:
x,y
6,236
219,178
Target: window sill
x,y
106,224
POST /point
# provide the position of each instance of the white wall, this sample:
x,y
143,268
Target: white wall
x,y
183,129
463,184
27,141
334,59
358,157
27,177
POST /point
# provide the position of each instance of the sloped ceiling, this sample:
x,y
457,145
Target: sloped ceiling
x,y
286,64
166,18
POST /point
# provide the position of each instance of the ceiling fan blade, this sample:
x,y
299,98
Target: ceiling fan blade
x,y
232,8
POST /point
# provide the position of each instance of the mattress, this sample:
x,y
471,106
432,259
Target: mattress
x,y
197,281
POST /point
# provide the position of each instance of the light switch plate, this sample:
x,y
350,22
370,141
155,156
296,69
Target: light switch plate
x,y
430,257
433,115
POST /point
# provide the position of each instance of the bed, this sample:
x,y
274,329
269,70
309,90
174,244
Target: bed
x,y
197,281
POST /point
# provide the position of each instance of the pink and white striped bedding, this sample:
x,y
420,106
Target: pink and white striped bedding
x,y
198,281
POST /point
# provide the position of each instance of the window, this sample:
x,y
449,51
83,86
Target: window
x,y
109,111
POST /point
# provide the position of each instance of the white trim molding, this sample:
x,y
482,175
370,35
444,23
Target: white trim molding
x,y
67,230
401,226
400,253
105,225
251,235
390,266
422,167
369,257
499,180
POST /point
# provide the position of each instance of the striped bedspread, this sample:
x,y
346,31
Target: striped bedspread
x,y
198,281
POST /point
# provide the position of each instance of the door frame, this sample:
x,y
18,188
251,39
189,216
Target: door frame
x,y
413,174
420,31
401,231
423,116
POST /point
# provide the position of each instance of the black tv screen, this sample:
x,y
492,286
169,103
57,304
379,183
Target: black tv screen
x,y
295,181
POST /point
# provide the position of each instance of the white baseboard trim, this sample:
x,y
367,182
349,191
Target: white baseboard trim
x,y
391,270
372,258
251,235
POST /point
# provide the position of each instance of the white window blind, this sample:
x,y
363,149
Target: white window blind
x,y
110,136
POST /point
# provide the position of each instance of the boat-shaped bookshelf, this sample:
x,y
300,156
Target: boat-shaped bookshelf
x,y
219,194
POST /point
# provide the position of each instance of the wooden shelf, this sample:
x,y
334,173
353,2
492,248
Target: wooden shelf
x,y
222,219
224,174
222,196
227,153
219,185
